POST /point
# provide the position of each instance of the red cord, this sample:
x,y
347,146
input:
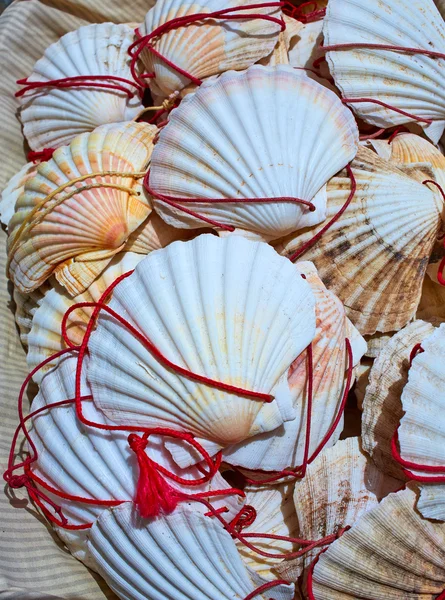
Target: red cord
x,y
335,218
388,106
176,202
42,156
82,81
407,465
146,42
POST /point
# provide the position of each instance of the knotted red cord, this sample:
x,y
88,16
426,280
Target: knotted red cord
x,y
298,12
95,81
174,202
42,156
293,257
146,42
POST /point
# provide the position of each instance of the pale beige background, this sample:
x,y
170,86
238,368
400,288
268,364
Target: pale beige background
x,y
33,565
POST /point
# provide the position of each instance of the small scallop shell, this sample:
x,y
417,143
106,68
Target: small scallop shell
x,y
374,257
391,553
99,465
422,427
208,47
181,556
223,308
75,235
154,233
13,190
275,515
382,407
376,342
26,306
45,336
413,83
264,133
52,117
306,49
284,447
286,39
339,487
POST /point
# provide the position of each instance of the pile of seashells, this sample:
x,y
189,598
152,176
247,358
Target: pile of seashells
x,y
229,234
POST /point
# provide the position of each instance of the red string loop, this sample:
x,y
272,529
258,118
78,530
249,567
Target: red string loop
x,y
296,255
176,202
146,42
414,352
101,82
299,13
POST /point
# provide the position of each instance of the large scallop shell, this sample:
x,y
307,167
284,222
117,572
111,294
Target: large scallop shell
x,y
382,407
374,257
206,48
276,516
265,133
75,235
181,556
45,337
13,190
284,447
94,464
222,308
339,486
391,553
422,427
413,83
53,116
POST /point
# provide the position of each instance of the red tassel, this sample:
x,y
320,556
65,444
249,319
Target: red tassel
x,y
154,496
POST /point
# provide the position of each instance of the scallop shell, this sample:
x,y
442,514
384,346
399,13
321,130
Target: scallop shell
x,y
422,427
45,336
374,257
75,237
222,308
13,190
306,50
181,556
339,487
412,83
377,342
240,136
26,306
382,407
391,553
207,48
286,39
52,117
284,447
275,515
99,465
154,233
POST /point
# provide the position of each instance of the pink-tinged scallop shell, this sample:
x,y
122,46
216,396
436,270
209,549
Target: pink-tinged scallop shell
x,y
74,234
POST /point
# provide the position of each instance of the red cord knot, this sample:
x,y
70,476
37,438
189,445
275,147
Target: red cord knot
x,y
42,156
245,518
154,496
16,482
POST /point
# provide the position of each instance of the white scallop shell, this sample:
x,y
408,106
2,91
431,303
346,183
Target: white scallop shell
x,y
413,83
284,447
305,50
222,308
339,486
45,337
275,515
382,407
422,427
84,461
76,237
264,133
52,117
181,556
208,47
391,553
13,190
374,257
